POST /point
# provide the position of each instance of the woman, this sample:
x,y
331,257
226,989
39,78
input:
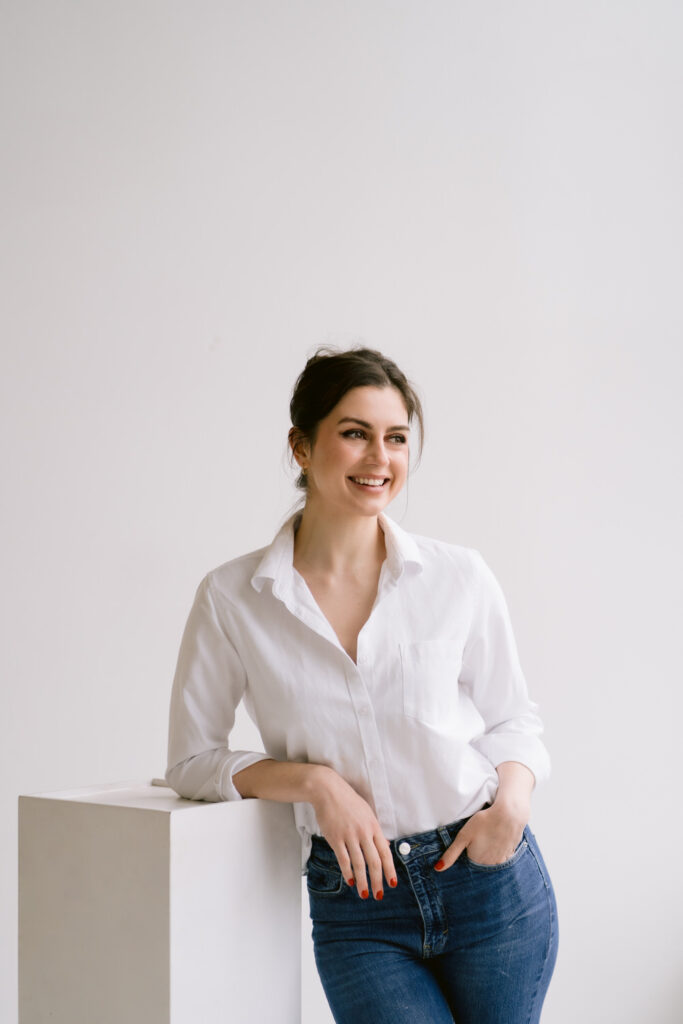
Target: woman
x,y
381,670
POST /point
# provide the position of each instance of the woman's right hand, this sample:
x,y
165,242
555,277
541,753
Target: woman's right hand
x,y
349,825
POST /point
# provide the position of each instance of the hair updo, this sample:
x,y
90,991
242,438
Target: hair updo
x,y
326,378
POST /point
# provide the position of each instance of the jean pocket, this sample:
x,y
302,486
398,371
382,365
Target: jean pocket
x,y
323,878
520,850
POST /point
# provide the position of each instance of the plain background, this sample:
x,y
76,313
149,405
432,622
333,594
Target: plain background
x,y
195,196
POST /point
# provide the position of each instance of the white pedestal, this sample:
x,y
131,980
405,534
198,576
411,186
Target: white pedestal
x,y
139,907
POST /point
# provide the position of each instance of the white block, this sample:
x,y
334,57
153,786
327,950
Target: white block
x,y
138,907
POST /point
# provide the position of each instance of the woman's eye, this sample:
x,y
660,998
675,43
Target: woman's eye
x,y
357,432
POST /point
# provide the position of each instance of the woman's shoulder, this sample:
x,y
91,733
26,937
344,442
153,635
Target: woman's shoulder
x,y
436,547
231,577
437,554
449,564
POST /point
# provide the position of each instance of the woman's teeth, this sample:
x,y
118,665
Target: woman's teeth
x,y
367,482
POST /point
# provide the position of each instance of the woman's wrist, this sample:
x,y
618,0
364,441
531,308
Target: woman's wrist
x,y
320,781
515,809
516,783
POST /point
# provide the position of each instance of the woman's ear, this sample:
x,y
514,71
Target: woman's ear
x,y
300,447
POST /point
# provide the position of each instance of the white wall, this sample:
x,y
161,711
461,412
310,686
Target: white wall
x,y
196,195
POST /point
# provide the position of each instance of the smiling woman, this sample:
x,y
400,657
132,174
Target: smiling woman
x,y
382,672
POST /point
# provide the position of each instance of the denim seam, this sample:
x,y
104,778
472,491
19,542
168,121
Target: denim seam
x,y
419,906
551,936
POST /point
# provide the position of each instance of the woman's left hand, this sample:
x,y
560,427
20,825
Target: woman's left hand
x,y
492,835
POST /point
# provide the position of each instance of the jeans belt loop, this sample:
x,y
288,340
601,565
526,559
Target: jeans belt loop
x,y
445,836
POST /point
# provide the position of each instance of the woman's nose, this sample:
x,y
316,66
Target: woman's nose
x,y
378,451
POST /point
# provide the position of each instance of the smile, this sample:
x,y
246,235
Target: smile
x,y
368,481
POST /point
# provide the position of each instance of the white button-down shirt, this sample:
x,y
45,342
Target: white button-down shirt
x,y
417,725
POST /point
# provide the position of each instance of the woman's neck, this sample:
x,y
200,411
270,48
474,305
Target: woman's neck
x,y
338,546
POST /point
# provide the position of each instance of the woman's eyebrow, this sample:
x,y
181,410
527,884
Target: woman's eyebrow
x,y
364,423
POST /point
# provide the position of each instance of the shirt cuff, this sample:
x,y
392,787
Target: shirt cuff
x,y
229,766
528,750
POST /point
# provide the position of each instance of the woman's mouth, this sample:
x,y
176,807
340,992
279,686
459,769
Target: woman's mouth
x,y
369,483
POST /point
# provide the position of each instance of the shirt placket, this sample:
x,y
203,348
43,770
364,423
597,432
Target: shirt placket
x,y
360,683
359,679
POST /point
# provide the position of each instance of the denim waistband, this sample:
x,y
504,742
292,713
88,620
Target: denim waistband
x,y
433,841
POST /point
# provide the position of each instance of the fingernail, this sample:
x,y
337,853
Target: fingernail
x,y
439,866
350,881
393,882
364,895
380,894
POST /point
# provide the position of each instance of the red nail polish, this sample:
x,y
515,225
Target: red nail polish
x,y
364,895
393,882
439,865
379,895
350,881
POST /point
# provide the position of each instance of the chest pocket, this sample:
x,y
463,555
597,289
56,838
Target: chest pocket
x,y
430,672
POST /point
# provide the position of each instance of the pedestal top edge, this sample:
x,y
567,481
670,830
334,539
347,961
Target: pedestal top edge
x,y
151,795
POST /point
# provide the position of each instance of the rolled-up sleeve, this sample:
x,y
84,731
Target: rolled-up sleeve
x,y
492,676
209,683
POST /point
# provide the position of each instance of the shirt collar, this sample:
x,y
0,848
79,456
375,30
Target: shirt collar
x,y
278,559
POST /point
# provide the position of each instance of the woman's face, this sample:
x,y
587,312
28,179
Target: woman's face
x,y
359,461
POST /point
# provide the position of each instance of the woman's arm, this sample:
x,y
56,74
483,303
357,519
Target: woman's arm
x,y
491,675
346,820
208,685
285,781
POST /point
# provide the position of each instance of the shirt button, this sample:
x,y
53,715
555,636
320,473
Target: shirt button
x,y
404,848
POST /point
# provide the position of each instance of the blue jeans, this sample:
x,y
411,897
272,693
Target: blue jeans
x,y
472,944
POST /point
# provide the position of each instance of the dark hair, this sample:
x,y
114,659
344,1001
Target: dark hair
x,y
326,378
